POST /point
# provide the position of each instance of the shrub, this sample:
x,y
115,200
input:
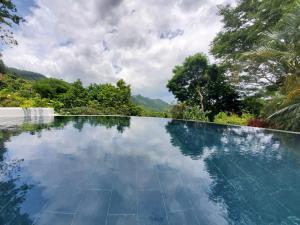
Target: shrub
x,y
182,111
195,113
253,105
224,118
178,110
258,122
150,113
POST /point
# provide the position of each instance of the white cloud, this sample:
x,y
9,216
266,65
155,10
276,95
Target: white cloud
x,y
105,40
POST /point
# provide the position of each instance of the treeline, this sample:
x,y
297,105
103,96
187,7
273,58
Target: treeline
x,y
257,79
70,98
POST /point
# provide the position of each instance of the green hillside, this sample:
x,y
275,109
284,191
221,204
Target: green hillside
x,y
150,104
28,75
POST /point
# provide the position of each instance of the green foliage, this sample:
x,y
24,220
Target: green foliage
x,y
155,105
177,111
219,94
253,105
183,111
289,94
98,99
257,43
189,79
16,92
108,95
245,24
272,105
130,110
148,113
260,47
195,113
66,98
227,118
50,88
76,96
287,118
8,17
279,49
2,67
199,84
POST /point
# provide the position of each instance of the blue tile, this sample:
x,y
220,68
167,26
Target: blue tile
x,y
174,192
184,218
127,177
22,205
147,180
151,210
289,198
209,212
93,209
64,200
54,218
101,180
74,179
176,200
124,192
122,220
124,200
34,202
125,162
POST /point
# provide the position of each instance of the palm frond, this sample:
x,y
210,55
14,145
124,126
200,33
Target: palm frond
x,y
287,118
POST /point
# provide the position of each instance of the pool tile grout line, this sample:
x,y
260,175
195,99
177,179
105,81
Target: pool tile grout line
x,y
163,198
78,207
137,192
57,212
108,208
193,204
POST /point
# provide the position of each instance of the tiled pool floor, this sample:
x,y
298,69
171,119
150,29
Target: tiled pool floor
x,y
121,194
139,171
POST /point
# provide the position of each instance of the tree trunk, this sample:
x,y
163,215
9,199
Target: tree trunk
x,y
201,98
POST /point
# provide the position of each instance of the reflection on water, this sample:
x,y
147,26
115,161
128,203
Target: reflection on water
x,y
19,121
120,170
255,174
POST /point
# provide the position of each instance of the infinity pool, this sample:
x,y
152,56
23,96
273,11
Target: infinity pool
x,y
145,171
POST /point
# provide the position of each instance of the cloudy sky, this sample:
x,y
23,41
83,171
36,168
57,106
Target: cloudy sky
x,y
106,40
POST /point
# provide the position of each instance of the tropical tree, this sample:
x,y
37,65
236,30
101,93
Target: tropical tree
x,y
220,95
51,88
8,17
279,49
108,95
197,83
76,96
189,79
247,28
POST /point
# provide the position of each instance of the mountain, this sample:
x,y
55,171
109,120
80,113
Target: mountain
x,y
150,104
28,75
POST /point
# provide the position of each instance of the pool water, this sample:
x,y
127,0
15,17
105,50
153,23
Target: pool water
x,y
146,171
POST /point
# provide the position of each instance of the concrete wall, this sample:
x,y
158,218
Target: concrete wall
x,y
14,116
28,112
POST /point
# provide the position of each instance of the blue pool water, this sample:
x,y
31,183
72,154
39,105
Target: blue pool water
x,y
145,171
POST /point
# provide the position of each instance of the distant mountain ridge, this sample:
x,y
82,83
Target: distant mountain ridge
x,y
28,75
157,105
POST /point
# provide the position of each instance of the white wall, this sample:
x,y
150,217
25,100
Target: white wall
x,y
15,116
28,112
